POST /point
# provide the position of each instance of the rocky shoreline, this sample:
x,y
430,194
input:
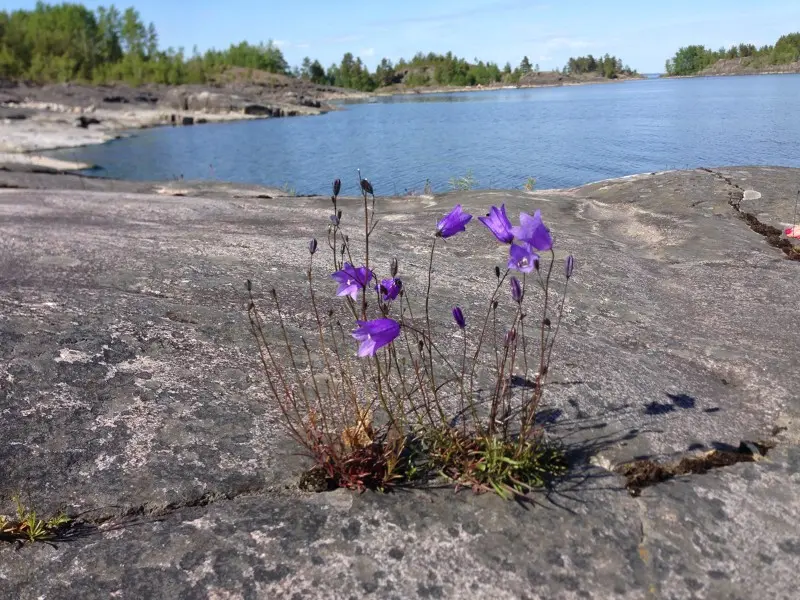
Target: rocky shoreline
x,y
132,397
38,118
533,80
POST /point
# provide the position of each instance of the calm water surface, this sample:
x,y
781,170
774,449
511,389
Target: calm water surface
x,y
562,136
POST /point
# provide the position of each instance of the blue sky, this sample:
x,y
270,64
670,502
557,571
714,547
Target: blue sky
x,y
644,34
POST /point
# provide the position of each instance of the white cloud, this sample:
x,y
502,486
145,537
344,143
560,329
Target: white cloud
x,y
567,42
368,52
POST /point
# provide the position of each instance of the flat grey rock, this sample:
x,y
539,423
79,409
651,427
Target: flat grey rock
x,y
129,388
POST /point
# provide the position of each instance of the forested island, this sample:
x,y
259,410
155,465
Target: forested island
x,y
744,58
71,43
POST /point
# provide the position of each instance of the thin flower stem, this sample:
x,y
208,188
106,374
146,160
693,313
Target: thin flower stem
x,y
480,344
558,322
263,346
322,344
428,323
366,257
463,373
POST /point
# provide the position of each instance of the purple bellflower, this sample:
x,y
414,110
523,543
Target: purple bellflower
x,y
498,224
389,289
458,316
351,279
453,222
532,231
375,334
516,290
521,258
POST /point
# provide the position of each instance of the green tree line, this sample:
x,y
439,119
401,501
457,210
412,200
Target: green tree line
x,y
445,70
69,42
609,67
693,59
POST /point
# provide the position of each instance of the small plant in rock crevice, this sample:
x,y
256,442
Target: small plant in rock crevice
x,y
530,184
402,408
27,526
465,183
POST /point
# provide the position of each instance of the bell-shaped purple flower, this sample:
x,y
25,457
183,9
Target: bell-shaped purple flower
x,y
521,258
352,279
389,289
498,224
533,232
516,290
458,317
453,222
375,334
569,266
312,246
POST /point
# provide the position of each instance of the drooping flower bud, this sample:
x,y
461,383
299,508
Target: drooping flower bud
x,y
516,290
312,246
497,271
366,187
511,335
393,268
569,266
337,187
458,316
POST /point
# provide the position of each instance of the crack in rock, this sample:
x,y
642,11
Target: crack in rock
x,y
773,234
640,474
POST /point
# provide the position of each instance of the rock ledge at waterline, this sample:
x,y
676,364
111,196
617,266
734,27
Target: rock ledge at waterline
x,y
130,394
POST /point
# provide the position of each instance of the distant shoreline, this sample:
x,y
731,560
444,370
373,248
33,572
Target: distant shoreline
x,y
491,88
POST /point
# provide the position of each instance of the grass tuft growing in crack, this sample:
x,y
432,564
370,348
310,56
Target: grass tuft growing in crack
x,y
421,397
27,526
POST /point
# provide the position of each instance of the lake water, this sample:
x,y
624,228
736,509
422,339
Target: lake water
x,y
563,137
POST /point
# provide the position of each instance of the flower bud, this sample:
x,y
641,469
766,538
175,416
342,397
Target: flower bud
x,y
536,262
497,271
337,187
249,286
393,268
458,316
366,187
511,335
312,246
569,265
516,290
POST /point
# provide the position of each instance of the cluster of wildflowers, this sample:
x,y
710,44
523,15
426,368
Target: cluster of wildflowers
x,y
399,373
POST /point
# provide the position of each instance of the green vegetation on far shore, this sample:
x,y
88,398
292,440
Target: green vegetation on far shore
x,y
68,42
690,60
